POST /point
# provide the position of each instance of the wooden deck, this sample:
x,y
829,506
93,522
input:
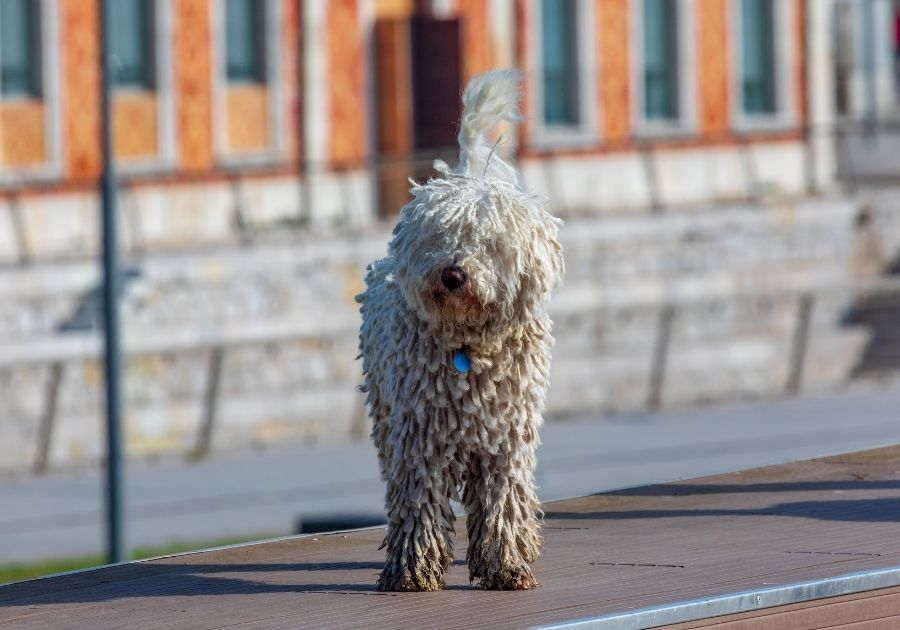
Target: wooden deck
x,y
615,560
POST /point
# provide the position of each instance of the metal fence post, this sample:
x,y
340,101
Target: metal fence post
x,y
800,343
210,403
751,175
650,174
21,234
238,215
48,419
660,357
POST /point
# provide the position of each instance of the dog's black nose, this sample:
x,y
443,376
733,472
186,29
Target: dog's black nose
x,y
453,277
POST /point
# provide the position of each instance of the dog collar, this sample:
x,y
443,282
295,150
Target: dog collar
x,y
461,361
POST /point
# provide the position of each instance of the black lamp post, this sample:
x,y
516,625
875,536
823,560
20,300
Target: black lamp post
x,y
111,290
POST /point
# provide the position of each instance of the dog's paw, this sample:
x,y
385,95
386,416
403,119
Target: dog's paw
x,y
516,579
404,581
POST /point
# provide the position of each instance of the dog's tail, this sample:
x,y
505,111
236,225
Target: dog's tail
x,y
489,98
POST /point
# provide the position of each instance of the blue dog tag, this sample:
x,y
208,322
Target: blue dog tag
x,y
461,361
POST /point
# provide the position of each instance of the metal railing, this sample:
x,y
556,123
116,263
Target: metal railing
x,y
217,346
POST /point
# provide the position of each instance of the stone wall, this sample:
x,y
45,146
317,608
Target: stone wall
x,y
282,316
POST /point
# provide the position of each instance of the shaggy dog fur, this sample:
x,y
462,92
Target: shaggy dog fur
x,y
467,278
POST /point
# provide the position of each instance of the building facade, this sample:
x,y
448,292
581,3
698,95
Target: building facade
x,y
244,114
272,123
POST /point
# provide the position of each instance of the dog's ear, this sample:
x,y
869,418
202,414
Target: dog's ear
x,y
489,98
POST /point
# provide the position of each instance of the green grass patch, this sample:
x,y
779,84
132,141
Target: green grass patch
x,y
15,572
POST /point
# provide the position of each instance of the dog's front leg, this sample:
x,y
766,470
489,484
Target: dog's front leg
x,y
502,528
420,521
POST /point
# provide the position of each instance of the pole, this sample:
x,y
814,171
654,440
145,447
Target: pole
x,y
111,280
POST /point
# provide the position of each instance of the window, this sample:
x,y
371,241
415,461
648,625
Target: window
x,y
131,42
563,72
661,59
20,50
758,54
30,142
245,40
663,75
559,67
249,106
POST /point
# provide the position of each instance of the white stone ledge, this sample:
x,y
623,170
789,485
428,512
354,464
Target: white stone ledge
x,y
73,347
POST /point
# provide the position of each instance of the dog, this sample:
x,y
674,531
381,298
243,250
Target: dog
x,y
455,341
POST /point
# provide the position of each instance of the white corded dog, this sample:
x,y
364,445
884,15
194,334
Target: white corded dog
x,y
455,341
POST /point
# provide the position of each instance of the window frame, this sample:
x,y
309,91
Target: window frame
x,y
50,77
161,86
686,85
259,45
275,150
586,132
151,30
36,81
783,12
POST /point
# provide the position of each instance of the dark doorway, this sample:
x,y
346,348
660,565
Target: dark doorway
x,y
418,84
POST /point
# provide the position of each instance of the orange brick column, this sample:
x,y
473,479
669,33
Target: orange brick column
x,y
476,36
79,25
192,59
798,38
612,68
291,51
346,67
713,76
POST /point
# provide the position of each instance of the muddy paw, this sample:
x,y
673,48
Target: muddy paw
x,y
518,579
407,582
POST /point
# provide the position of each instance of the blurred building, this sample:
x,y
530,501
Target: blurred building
x,y
256,112
866,45
694,146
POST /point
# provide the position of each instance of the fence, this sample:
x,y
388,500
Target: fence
x,y
217,347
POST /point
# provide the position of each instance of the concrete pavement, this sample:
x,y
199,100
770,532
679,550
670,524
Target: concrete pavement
x,y
264,492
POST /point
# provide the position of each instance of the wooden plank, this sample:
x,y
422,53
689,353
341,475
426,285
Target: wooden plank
x,y
621,551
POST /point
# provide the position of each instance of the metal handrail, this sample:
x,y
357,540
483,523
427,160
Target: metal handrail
x,y
217,345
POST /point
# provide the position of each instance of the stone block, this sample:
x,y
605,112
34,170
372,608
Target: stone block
x,y
273,203
184,215
63,226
